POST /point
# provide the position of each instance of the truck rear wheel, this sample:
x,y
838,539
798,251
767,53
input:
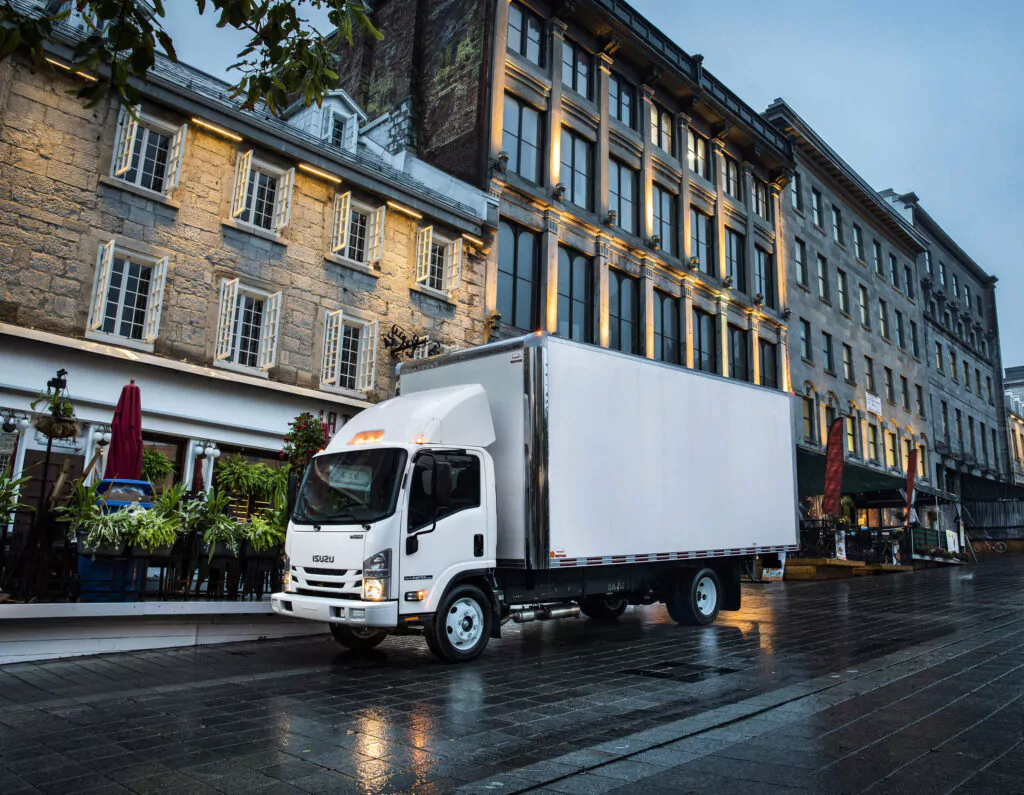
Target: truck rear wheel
x,y
602,607
358,639
461,626
696,598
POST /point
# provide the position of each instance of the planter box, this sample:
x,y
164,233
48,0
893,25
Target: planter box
x,y
155,552
268,554
108,551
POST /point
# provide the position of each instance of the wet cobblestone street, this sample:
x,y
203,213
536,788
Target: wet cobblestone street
x,y
908,683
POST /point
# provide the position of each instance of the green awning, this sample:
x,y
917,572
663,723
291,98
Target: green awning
x,y
810,476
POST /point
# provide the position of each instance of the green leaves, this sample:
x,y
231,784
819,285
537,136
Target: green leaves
x,y
286,57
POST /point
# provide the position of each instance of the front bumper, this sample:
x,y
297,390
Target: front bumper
x,y
353,612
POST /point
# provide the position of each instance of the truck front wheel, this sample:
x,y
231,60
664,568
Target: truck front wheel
x,y
696,597
358,639
461,626
603,607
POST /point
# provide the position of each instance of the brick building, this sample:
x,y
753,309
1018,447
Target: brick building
x,y
639,197
856,344
240,268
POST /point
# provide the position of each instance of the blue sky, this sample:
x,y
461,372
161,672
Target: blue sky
x,y
923,95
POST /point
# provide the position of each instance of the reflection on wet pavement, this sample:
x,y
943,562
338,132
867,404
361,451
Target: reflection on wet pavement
x,y
889,682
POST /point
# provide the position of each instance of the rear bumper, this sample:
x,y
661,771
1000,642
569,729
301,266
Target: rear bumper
x,y
352,612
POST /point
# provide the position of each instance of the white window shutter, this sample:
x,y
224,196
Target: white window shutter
x,y
351,134
327,124
127,129
342,206
104,264
375,235
155,305
268,332
366,373
423,240
242,168
453,265
226,318
174,158
332,347
283,206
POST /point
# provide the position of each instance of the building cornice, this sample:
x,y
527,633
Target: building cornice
x,y
932,228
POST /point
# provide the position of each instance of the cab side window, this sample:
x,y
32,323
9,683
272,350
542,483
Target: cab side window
x,y
465,487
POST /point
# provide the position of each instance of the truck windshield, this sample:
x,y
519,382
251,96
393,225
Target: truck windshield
x,y
351,487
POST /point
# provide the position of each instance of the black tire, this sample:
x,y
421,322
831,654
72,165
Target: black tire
x,y
603,607
358,639
461,627
696,597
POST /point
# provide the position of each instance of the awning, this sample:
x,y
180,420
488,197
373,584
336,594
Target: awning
x,y
810,475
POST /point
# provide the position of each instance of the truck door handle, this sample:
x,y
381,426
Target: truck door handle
x,y
478,545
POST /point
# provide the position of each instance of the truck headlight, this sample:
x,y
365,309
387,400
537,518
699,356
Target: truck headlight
x,y
287,582
377,576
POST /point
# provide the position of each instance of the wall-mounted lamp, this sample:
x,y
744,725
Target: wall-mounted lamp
x,y
14,421
654,243
759,300
215,129
495,321
207,449
787,313
501,164
613,218
404,210
316,172
560,191
103,436
694,263
727,281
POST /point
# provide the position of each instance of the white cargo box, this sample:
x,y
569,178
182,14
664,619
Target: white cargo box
x,y
605,458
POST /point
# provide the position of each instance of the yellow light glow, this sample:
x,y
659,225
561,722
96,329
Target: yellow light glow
x,y
367,437
318,173
215,129
406,210
373,590
421,595
67,68
474,240
421,439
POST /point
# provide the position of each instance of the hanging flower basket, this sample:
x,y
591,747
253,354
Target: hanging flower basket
x,y
57,427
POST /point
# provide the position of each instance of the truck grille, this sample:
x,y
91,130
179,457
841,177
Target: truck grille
x,y
329,572
333,594
331,585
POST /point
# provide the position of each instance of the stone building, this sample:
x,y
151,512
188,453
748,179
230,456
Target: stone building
x,y
856,342
1013,398
639,196
961,335
240,268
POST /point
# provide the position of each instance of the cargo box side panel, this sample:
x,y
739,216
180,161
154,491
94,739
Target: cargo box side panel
x,y
646,459
501,375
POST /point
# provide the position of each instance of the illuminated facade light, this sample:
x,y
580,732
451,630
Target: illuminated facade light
x,y
215,129
406,210
316,172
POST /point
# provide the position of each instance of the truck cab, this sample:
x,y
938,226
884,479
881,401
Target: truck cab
x,y
398,508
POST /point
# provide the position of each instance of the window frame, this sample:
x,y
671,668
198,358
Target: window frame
x,y
623,87
616,200
522,47
515,165
837,226
342,241
817,211
108,252
332,352
567,266
661,298
615,314
242,201
126,138
659,133
226,349
517,231
578,56
451,267
704,321
697,155
660,198
587,173
738,339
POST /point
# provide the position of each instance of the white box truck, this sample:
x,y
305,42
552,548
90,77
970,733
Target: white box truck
x,y
533,479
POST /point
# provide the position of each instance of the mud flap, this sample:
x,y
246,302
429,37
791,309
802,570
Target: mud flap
x,y
730,576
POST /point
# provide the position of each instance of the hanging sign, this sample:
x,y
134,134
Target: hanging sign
x,y
873,403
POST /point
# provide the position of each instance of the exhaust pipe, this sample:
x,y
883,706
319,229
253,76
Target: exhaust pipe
x,y
543,613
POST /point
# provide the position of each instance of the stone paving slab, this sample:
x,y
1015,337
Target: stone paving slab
x,y
912,682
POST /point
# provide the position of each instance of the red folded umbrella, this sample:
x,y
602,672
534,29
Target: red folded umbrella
x,y
124,461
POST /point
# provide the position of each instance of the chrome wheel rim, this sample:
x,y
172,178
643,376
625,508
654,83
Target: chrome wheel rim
x,y
365,633
464,623
707,596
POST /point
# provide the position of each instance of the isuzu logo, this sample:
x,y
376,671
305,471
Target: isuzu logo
x,y
323,558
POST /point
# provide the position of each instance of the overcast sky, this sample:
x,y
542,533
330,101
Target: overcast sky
x,y
923,95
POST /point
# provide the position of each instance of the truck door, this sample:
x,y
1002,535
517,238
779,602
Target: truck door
x,y
445,525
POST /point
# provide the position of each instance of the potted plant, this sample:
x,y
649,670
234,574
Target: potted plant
x,y
57,420
156,467
96,532
160,527
222,534
9,490
305,438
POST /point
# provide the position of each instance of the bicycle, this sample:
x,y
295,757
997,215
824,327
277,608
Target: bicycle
x,y
989,545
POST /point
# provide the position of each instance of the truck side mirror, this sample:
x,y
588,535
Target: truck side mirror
x,y
442,484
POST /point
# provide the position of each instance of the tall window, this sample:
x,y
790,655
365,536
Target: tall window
x,y
518,276
438,261
858,242
883,318
848,373
525,33
901,335
967,295
988,383
876,256
816,211
247,325
952,365
736,259
704,344
942,273
945,421
905,392
665,219
805,340
701,237
851,434
827,357
697,154
349,355
844,294
865,315
575,295
796,193
894,272
661,128
800,258
970,431
577,162
928,262
823,278
908,279
759,196
769,360
739,367
732,178
808,409
967,376
520,138
956,286
147,153
873,442
940,360
764,276
977,381
576,69
358,231
667,336
128,297
892,451
919,394
623,312
890,387
622,100
869,375
262,194
837,225
622,182
984,443
914,345
959,430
